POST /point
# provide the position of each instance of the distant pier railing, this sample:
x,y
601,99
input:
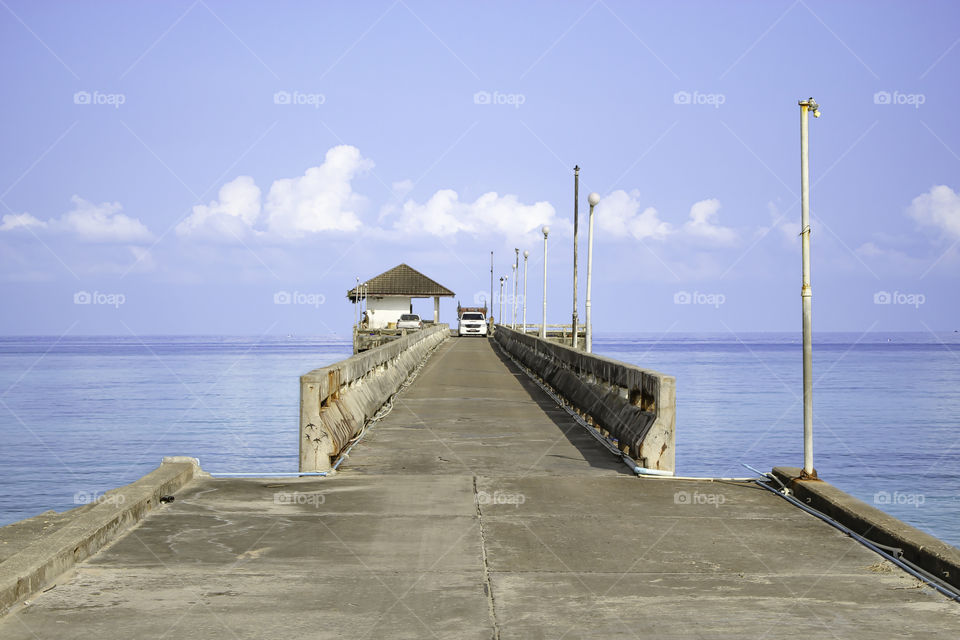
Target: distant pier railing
x,y
634,406
562,333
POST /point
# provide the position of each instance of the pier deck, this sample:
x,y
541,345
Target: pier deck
x,y
479,509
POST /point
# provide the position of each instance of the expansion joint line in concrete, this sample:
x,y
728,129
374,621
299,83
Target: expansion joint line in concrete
x,y
487,583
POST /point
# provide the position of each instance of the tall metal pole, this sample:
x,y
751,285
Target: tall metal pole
x,y
526,254
501,300
356,301
516,273
490,295
593,199
576,217
543,327
806,294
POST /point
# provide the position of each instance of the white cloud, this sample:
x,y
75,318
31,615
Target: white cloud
x,y
871,250
444,215
320,200
402,187
88,222
228,218
619,214
701,224
20,221
101,223
938,208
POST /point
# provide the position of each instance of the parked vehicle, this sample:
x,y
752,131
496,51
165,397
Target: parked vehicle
x,y
410,321
472,323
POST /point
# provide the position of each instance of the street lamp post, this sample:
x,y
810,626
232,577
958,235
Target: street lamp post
x,y
593,199
502,278
526,254
543,327
806,293
490,296
576,242
516,272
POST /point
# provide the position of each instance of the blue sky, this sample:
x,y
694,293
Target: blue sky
x,y
183,162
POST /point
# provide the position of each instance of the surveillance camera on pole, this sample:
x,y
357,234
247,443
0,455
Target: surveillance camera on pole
x,y
576,242
806,293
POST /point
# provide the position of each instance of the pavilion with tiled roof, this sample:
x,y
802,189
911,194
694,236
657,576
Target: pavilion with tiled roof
x,y
389,294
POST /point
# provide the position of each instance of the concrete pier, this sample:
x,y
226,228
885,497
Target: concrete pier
x,y
479,509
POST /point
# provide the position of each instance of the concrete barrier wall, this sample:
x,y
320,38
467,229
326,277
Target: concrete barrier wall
x,y
336,401
636,406
38,562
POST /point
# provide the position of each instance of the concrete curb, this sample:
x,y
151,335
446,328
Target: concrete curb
x,y
922,549
36,566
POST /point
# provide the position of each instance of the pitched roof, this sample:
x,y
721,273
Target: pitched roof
x,y
403,280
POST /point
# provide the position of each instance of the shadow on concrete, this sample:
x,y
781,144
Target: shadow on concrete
x,y
591,450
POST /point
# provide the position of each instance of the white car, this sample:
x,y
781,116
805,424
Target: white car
x,y
410,321
472,323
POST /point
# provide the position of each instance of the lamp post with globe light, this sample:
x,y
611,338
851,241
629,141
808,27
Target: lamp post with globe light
x,y
526,254
593,199
500,297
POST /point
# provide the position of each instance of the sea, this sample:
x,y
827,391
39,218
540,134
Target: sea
x,y
81,415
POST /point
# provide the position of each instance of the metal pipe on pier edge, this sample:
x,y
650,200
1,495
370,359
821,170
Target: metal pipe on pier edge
x,y
806,293
516,279
593,199
576,218
543,327
526,254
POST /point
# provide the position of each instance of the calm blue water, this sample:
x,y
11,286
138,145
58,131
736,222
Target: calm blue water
x,y
86,414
